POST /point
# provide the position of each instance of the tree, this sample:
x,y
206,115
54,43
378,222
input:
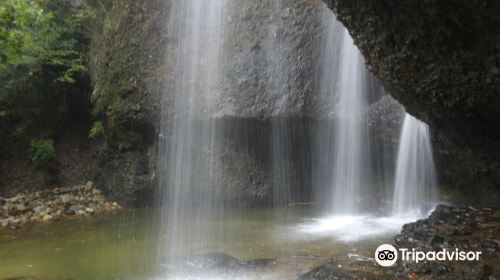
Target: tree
x,y
43,50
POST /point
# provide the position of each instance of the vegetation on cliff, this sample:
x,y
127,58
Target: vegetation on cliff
x,y
43,54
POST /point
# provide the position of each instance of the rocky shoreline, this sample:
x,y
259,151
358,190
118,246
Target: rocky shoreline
x,y
449,228
58,203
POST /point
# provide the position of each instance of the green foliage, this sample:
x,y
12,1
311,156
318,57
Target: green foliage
x,y
24,31
36,32
42,151
96,130
43,58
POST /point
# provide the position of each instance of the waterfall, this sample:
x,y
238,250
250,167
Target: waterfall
x,y
351,145
415,180
190,136
277,85
193,171
346,173
342,146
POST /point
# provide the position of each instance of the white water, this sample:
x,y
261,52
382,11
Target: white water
x,y
351,143
341,144
348,84
415,181
414,194
189,139
350,228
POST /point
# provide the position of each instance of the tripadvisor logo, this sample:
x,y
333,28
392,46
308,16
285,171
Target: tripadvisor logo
x,y
387,255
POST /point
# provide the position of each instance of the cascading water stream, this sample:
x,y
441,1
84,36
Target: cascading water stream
x,y
415,180
277,84
193,135
342,145
347,86
189,132
351,138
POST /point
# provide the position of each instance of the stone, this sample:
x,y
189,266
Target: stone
x,y
4,222
54,204
38,209
21,207
71,210
66,198
47,217
7,206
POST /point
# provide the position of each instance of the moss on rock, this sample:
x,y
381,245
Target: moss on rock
x,y
126,68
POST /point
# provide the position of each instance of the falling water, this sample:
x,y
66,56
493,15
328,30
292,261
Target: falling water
x,y
415,183
277,84
192,138
351,144
344,168
189,132
342,158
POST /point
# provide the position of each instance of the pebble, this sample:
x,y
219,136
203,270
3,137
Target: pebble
x,y
4,222
82,200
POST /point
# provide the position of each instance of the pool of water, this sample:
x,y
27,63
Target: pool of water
x,y
124,245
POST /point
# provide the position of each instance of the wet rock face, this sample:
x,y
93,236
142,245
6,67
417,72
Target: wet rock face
x,y
385,121
126,58
447,87
470,172
439,59
243,166
126,66
271,58
132,46
268,64
126,176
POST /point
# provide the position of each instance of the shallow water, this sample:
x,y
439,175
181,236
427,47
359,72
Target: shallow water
x,y
122,245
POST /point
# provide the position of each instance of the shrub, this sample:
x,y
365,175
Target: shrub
x,y
42,151
96,130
